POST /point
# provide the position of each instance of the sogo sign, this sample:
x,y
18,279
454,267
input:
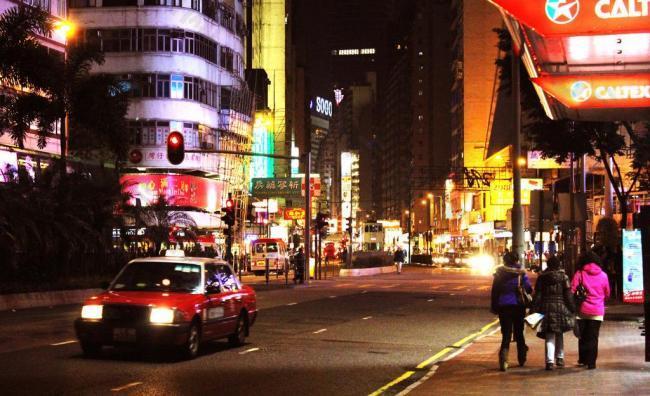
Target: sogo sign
x,y
580,17
598,91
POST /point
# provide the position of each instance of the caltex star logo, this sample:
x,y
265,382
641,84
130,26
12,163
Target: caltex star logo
x,y
581,91
562,11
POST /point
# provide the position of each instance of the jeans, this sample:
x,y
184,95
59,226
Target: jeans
x,y
511,317
588,343
554,346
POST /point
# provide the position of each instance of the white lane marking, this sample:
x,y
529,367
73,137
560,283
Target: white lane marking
x,y
364,292
64,343
429,300
320,331
484,288
365,285
459,288
452,294
293,303
332,296
127,386
389,286
367,317
436,287
249,351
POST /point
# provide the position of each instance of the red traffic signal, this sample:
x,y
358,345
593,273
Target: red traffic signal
x,y
175,148
229,203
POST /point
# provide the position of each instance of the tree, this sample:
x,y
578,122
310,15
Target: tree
x,y
559,139
59,85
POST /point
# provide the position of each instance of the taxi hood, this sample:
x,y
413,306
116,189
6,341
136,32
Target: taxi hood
x,y
154,298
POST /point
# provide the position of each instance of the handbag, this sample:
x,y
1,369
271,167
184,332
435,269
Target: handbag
x,y
580,295
523,297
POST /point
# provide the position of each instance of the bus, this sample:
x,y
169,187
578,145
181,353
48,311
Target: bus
x,y
372,237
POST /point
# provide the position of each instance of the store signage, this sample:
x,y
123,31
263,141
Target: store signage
x,y
580,17
294,214
277,187
536,160
613,91
632,267
177,190
321,106
314,185
262,144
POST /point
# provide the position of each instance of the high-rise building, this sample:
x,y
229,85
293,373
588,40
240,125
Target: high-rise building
x,y
474,127
183,63
32,158
415,123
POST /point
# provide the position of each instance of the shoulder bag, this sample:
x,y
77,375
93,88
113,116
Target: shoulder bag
x,y
580,295
523,297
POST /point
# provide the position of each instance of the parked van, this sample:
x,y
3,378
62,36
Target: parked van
x,y
273,249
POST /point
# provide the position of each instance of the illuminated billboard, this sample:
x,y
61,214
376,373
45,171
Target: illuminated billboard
x,y
598,91
263,143
579,17
177,190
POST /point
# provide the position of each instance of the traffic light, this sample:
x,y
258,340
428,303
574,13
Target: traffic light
x,y
175,148
321,223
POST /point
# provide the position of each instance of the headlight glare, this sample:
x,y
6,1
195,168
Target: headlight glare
x,y
161,315
92,311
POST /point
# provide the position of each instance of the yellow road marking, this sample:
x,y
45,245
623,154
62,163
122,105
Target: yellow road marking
x,y
393,383
435,358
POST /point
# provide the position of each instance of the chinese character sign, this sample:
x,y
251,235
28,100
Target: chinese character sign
x,y
177,190
276,187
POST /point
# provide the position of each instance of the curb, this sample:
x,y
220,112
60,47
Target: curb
x,y
366,271
45,299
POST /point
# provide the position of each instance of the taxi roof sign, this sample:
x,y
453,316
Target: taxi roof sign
x,y
175,253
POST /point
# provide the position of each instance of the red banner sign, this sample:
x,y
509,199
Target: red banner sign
x,y
605,91
294,214
177,190
580,17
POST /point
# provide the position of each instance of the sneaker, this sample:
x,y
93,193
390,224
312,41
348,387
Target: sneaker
x,y
559,362
549,366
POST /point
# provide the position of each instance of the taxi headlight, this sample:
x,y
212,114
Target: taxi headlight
x,y
92,311
161,315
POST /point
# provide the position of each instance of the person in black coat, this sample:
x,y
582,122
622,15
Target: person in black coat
x,y
553,299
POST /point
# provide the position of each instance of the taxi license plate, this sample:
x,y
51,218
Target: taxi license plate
x,y
124,335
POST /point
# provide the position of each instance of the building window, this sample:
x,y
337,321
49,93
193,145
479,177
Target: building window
x,y
162,87
178,41
176,86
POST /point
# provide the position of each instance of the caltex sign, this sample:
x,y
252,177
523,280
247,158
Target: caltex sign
x,y
580,17
611,91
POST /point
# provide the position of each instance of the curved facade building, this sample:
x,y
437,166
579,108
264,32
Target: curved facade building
x,y
182,62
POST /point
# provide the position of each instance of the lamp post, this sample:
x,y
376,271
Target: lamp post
x,y
67,29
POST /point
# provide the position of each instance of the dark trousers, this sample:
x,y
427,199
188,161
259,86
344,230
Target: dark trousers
x,y
588,343
511,318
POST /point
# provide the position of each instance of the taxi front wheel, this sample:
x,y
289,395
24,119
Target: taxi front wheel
x,y
191,348
239,336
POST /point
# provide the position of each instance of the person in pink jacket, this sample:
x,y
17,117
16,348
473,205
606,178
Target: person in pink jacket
x,y
592,311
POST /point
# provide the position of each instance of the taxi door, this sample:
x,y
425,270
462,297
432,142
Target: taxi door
x,y
231,297
215,310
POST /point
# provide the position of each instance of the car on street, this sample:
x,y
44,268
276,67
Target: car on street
x,y
175,302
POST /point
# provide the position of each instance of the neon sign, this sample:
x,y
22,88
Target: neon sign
x,y
598,91
580,17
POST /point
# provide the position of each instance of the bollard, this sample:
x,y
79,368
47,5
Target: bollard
x,y
266,264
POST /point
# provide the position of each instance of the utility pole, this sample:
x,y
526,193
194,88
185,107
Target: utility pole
x,y
517,212
307,215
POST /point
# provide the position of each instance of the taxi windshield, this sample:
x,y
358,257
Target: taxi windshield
x,y
157,276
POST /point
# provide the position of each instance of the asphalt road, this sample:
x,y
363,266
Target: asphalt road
x,y
341,336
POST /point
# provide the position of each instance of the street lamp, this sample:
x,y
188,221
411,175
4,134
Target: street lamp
x,y
67,29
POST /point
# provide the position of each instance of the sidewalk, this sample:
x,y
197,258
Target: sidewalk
x,y
621,367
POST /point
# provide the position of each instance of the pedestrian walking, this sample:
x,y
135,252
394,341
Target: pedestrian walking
x,y
299,262
591,311
398,257
508,280
554,299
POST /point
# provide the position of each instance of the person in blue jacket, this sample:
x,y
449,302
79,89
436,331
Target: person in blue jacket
x,y
506,303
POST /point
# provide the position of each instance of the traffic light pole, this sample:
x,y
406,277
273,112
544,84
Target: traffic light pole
x,y
307,216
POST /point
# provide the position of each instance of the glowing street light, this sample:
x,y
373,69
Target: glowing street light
x,y
65,28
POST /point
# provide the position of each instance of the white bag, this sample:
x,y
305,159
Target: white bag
x,y
533,320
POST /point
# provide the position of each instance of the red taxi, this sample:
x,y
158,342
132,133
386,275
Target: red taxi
x,y
168,301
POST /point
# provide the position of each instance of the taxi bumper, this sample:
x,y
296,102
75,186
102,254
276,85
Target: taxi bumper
x,y
101,332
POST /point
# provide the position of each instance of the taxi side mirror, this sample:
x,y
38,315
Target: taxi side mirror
x,y
213,289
